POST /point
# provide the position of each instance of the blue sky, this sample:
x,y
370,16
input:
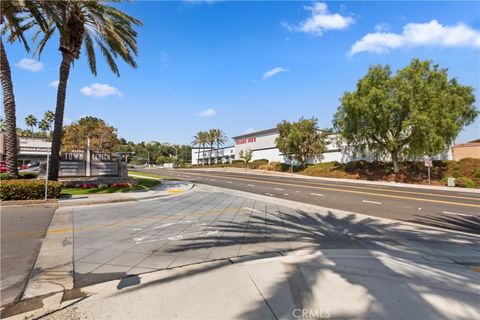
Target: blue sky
x,y
243,66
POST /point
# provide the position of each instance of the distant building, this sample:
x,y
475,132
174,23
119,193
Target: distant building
x,y
466,150
30,149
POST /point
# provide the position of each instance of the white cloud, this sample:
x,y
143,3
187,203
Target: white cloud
x,y
30,65
418,34
273,72
100,90
207,113
54,84
320,21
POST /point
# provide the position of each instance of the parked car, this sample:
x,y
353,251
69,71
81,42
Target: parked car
x,y
3,166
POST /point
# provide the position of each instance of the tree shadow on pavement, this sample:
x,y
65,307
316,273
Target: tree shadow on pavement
x,y
470,224
374,275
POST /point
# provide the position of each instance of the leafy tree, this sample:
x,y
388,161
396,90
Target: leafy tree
x,y
89,24
301,140
414,113
246,156
16,17
31,121
102,136
2,125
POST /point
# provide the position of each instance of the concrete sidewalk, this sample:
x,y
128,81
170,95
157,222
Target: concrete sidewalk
x,y
357,181
330,283
166,188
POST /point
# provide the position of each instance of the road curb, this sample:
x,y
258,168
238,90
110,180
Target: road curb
x,y
53,270
113,201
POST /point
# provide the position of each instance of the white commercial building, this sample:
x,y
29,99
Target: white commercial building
x,y
262,144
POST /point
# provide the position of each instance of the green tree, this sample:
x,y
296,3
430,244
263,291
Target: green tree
x,y
301,140
246,156
31,121
102,136
89,24
16,17
415,113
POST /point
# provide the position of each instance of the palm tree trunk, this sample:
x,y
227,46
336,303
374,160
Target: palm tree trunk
x,y
10,118
198,155
59,110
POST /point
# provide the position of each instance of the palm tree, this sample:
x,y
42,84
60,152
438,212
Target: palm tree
x,y
88,24
198,140
31,122
211,138
220,139
15,18
46,122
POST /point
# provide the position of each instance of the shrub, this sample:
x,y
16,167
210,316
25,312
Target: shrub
x,y
257,163
4,176
465,182
23,175
120,185
238,161
28,175
88,186
29,189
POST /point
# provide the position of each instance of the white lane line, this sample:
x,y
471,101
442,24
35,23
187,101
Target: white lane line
x,y
251,185
285,194
317,194
269,194
213,180
456,213
374,202
279,189
229,182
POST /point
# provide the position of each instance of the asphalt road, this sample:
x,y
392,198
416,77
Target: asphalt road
x,y
23,229
446,209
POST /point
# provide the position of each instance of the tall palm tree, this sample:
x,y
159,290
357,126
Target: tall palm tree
x,y
46,123
220,139
31,122
198,140
85,23
211,138
15,18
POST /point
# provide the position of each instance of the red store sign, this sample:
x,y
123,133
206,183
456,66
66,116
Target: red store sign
x,y
243,141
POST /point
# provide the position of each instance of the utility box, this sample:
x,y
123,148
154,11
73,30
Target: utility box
x,y
450,182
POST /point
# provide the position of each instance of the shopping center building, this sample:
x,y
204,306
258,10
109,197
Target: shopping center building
x,y
262,144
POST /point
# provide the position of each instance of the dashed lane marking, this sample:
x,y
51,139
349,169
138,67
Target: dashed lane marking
x,y
373,202
316,194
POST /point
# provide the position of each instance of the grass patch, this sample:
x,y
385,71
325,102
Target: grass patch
x,y
149,175
143,184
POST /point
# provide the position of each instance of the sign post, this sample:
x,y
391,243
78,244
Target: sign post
x,y
428,164
46,177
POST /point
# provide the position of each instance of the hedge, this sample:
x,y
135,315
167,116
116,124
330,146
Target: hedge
x,y
28,189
